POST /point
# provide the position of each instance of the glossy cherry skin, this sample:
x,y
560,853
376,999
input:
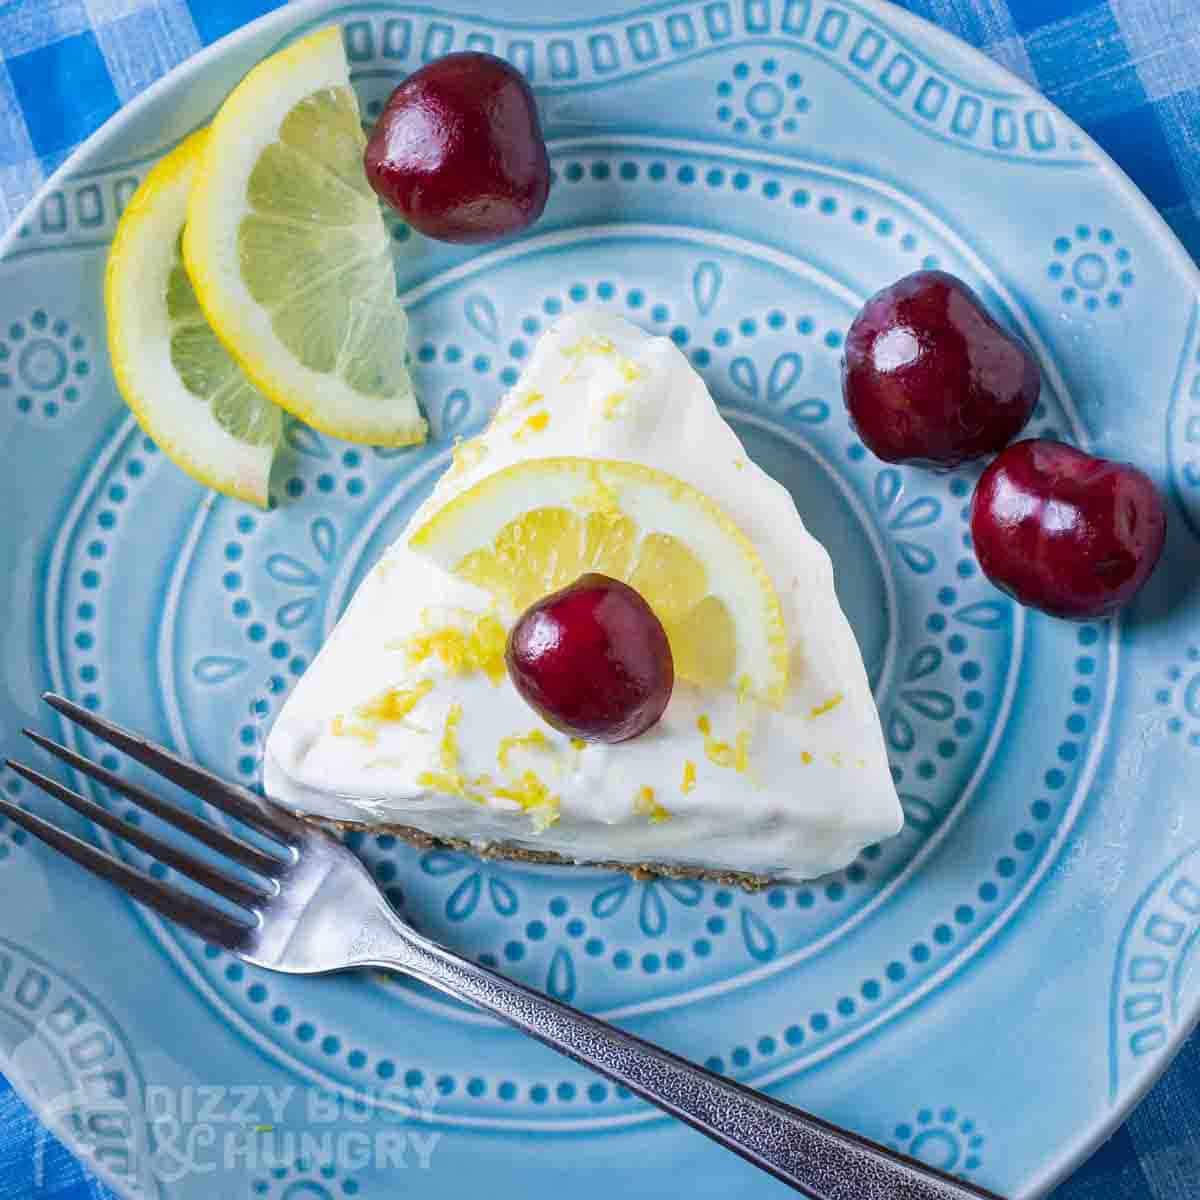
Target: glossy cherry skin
x,y
929,378
458,151
593,660
1060,530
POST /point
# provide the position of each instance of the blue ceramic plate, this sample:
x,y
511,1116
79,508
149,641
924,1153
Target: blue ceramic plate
x,y
990,990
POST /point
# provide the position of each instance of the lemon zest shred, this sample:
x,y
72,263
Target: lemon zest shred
x,y
585,347
394,704
391,706
481,648
578,744
721,754
454,783
535,739
449,746
590,344
612,404
527,790
827,707
450,781
689,777
601,346
805,757
741,752
534,797
645,805
531,400
630,370
745,702
536,423
339,728
439,781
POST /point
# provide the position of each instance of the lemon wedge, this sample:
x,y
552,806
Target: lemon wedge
x,y
183,387
289,255
537,526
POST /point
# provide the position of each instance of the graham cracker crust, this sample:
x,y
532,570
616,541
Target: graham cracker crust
x,y
506,851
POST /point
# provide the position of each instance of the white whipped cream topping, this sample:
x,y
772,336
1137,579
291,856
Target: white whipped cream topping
x,y
818,788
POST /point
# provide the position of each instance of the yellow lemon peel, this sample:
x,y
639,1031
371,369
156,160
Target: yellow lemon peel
x,y
722,754
612,404
339,727
741,752
645,805
454,783
534,797
449,746
535,739
590,344
450,781
600,347
389,707
821,709
536,423
479,648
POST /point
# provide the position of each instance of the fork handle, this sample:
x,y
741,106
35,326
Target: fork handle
x,y
817,1159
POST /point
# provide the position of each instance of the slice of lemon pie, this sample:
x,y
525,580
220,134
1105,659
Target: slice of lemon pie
x,y
610,517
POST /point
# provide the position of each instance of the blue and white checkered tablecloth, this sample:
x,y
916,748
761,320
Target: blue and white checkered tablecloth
x,y
1127,70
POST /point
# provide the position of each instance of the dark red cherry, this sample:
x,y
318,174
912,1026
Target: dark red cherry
x,y
593,660
458,151
1063,531
930,378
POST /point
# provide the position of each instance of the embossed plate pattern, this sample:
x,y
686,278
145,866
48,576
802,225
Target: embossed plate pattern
x,y
991,989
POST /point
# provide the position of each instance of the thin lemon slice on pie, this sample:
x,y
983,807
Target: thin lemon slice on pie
x,y
288,251
540,524
172,370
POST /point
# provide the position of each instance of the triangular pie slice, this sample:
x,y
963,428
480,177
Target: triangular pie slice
x,y
608,455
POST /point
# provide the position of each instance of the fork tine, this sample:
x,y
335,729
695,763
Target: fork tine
x,y
230,798
217,881
202,830
194,914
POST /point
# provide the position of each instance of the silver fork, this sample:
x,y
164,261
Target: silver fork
x,y
313,909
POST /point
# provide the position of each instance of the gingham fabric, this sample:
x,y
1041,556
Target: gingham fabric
x,y
1127,70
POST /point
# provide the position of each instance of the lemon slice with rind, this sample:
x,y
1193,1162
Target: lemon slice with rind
x,y
539,525
172,370
288,251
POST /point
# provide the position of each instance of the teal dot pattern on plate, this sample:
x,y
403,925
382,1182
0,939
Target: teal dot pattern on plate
x,y
45,368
